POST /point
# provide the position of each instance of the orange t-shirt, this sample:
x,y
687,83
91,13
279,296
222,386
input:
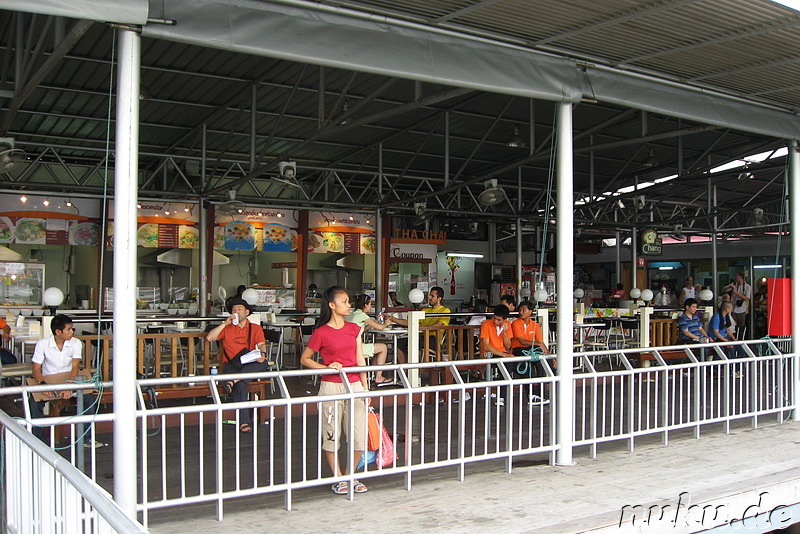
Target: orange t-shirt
x,y
532,332
490,331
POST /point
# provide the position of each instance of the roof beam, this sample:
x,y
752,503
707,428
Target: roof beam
x,y
78,30
338,129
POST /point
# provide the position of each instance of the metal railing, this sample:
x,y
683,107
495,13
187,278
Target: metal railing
x,y
45,493
196,454
630,402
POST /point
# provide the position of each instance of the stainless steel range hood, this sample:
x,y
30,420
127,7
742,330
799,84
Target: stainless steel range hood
x,y
183,257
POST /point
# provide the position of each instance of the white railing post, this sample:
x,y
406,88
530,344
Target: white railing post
x,y
414,318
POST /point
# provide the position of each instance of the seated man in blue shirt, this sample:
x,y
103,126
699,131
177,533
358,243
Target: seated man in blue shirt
x,y
689,326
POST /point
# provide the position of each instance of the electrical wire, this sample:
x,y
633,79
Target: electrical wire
x,y
547,208
94,406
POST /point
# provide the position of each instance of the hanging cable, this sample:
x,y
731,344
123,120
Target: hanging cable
x,y
547,208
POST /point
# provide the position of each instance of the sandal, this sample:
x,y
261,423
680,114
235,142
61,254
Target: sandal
x,y
228,387
245,428
384,382
358,487
340,488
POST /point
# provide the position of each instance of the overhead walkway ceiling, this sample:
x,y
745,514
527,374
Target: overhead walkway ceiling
x,y
429,92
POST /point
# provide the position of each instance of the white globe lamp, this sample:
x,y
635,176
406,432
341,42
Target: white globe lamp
x,y
250,296
541,295
52,298
636,293
415,296
706,295
647,295
525,292
578,293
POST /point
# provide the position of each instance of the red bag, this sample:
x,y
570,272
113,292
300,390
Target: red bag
x,y
386,452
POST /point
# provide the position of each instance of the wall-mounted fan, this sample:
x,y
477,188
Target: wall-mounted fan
x,y
10,157
492,193
421,214
231,206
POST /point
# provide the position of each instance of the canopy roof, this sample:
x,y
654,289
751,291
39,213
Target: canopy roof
x,y
429,92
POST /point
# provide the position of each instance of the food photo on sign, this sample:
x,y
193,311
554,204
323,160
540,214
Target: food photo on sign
x,y
240,235
277,238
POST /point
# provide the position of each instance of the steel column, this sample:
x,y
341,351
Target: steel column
x,y
564,277
126,170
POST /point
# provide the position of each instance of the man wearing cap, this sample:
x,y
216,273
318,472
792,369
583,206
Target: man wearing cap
x,y
238,336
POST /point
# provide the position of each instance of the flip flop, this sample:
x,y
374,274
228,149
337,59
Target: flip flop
x,y
245,428
228,386
384,382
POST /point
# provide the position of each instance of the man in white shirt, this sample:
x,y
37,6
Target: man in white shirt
x,y
60,353
741,294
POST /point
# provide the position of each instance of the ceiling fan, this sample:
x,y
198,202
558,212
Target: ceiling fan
x,y
231,206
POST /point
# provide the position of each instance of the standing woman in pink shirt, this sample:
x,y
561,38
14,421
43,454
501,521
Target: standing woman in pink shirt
x,y
339,345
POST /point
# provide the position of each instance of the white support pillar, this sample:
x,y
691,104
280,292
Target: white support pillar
x,y
414,318
125,197
564,277
794,214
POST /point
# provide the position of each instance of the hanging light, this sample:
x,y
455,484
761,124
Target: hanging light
x,y
651,160
23,199
516,140
46,202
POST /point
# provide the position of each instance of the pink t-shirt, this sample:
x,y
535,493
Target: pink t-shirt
x,y
337,346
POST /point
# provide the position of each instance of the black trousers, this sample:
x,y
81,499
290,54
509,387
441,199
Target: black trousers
x,y
240,388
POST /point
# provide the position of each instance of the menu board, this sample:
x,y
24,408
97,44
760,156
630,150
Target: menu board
x,y
56,232
155,235
352,243
341,242
167,236
39,231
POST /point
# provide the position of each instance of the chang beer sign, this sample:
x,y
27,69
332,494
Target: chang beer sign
x,y
650,243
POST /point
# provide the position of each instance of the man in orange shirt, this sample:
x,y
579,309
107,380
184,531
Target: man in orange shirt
x,y
6,356
496,341
526,334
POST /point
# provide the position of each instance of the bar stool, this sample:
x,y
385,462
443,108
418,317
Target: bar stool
x,y
597,338
630,333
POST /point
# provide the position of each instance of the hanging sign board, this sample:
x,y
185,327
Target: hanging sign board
x,y
343,233
650,243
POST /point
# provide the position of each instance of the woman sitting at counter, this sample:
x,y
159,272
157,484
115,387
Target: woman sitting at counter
x,y
359,316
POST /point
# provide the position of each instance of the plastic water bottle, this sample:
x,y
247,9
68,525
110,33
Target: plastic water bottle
x,y
214,370
235,320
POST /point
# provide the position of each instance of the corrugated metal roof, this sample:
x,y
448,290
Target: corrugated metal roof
x,y
747,48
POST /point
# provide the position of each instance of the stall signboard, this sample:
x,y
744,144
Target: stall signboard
x,y
41,220
261,229
163,225
342,233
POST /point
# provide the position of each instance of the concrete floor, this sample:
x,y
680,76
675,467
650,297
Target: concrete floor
x,y
727,471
